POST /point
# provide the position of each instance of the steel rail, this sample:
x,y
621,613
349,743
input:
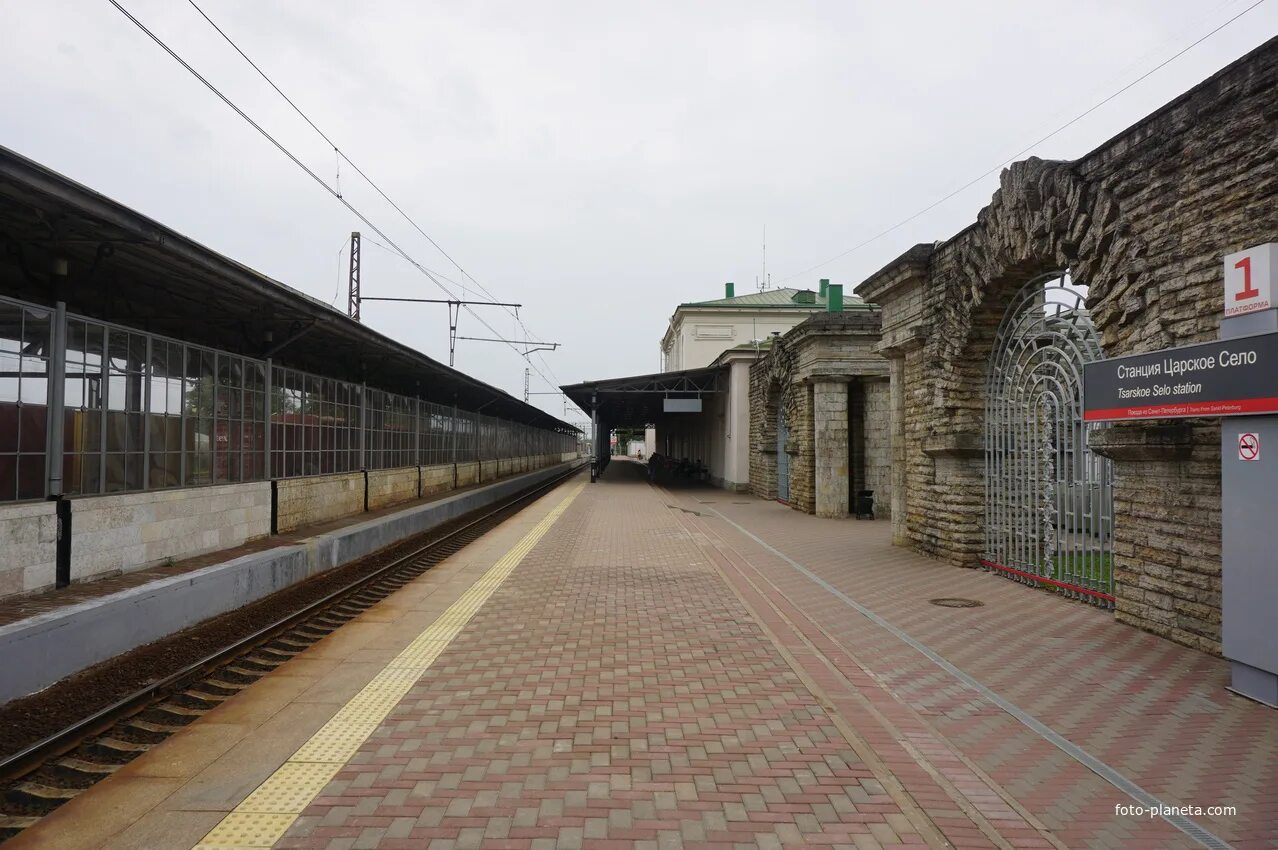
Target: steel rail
x,y
30,759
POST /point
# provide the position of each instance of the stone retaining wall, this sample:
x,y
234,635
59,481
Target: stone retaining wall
x,y
133,531
28,547
388,487
318,498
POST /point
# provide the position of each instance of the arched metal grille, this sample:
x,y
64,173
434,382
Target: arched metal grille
x,y
1049,502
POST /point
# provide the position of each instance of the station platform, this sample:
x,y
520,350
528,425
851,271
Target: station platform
x,y
621,665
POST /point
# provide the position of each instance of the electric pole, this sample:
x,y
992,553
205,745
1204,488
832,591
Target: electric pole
x,y
353,299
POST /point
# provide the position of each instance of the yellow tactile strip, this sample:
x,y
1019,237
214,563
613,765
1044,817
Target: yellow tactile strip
x,y
266,814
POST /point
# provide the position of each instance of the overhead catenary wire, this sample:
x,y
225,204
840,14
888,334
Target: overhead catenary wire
x,y
341,155
1024,150
514,311
308,171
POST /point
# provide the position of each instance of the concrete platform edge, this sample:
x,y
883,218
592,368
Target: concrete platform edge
x,y
41,650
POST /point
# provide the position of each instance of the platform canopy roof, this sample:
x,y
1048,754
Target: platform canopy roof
x,y
126,268
637,401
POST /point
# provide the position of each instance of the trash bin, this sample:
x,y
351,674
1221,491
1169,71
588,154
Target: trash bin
x,y
864,507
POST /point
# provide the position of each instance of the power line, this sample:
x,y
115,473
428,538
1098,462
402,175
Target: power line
x,y
390,251
1024,150
282,149
342,156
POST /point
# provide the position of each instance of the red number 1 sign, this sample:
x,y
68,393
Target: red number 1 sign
x,y
1249,279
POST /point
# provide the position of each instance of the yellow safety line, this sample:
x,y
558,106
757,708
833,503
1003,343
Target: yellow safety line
x,y
266,814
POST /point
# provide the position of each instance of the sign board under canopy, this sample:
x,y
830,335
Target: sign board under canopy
x,y
681,405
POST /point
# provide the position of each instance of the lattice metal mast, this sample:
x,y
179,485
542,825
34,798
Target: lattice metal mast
x,y
353,299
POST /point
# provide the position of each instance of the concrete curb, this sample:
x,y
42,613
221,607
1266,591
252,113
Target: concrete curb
x,y
41,650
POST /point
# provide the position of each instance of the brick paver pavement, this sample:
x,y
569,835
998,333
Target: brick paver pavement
x,y
616,692
1156,712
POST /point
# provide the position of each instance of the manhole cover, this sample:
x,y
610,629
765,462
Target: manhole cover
x,y
955,602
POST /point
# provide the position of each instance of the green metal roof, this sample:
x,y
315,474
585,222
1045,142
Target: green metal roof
x,y
777,298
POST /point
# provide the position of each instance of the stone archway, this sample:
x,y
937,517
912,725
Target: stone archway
x,y
778,400
1045,216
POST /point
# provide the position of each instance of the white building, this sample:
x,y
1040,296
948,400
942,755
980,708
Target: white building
x,y
700,331
729,333
699,403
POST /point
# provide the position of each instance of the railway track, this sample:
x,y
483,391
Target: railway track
x,y
40,778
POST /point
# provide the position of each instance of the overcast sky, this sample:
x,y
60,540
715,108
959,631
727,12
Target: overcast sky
x,y
599,163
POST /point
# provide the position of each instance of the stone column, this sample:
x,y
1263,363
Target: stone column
x,y
830,438
896,430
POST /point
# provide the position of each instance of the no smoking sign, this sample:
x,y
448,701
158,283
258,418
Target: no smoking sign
x,y
1248,446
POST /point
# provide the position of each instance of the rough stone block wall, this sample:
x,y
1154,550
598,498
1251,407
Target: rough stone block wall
x,y
802,450
28,547
763,438
928,523
391,486
876,397
830,446
133,531
1167,554
319,498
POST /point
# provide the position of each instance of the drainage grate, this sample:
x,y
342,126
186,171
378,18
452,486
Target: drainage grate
x,y
956,602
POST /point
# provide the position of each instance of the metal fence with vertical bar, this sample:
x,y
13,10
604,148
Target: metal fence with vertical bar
x,y
142,411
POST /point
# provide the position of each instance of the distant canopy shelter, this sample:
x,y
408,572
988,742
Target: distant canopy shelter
x,y
682,406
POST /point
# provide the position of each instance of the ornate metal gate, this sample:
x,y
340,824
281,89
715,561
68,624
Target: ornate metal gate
x,y
1049,502
783,459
